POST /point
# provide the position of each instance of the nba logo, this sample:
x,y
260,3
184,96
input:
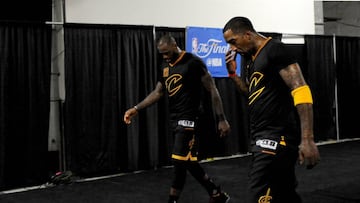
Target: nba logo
x,y
194,45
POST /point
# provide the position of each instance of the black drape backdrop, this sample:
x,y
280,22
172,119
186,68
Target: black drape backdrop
x,y
235,107
348,83
320,75
24,103
108,68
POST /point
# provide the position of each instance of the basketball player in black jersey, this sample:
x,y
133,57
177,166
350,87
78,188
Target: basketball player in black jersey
x,y
280,112
183,76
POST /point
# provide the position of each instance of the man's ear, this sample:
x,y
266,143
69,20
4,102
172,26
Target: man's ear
x,y
248,35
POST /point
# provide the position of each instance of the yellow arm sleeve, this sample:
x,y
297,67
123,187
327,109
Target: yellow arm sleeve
x,y
302,95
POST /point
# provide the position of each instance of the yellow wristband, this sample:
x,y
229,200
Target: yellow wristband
x,y
302,95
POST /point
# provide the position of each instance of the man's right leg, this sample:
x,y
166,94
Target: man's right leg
x,y
266,177
215,192
178,181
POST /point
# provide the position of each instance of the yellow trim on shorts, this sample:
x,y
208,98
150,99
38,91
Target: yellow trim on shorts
x,y
184,158
302,95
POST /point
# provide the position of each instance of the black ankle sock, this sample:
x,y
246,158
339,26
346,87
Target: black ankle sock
x,y
210,187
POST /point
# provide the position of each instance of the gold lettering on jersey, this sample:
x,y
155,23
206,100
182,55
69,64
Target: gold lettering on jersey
x,y
166,72
173,84
255,80
266,198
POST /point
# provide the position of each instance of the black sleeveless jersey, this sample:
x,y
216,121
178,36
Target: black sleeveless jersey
x,y
271,108
182,83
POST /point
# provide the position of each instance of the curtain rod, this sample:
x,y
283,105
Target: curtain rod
x,y
292,35
54,23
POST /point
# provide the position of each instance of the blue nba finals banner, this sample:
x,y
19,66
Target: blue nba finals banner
x,y
210,46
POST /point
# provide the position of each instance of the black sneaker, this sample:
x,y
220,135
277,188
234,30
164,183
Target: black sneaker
x,y
221,197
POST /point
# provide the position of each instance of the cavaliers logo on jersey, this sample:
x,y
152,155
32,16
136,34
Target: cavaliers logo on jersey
x,y
173,84
265,198
254,82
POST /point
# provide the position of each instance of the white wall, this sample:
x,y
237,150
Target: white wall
x,y
282,16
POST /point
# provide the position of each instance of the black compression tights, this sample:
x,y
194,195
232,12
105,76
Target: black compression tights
x,y
195,169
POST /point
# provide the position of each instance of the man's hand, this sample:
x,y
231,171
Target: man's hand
x,y
129,114
230,61
223,128
308,153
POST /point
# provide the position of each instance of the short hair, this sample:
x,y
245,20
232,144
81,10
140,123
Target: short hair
x,y
167,39
239,24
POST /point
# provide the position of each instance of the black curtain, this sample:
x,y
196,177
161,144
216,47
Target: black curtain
x,y
109,69
320,74
348,84
24,103
236,110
